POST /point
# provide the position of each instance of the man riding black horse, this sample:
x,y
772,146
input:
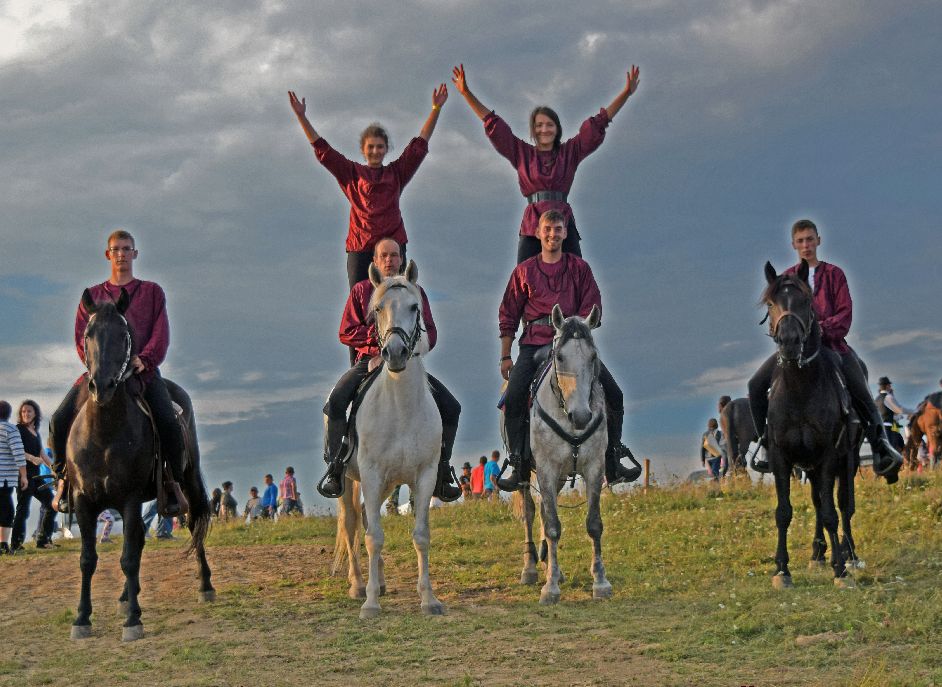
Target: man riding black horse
x,y
833,310
147,316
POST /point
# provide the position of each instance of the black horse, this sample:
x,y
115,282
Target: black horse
x,y
739,430
111,463
810,424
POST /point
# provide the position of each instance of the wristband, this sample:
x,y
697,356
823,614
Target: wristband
x,y
506,357
436,108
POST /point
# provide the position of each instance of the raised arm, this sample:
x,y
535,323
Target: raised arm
x,y
439,96
300,107
461,83
631,85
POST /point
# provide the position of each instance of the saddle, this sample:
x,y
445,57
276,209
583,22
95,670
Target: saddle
x,y
350,442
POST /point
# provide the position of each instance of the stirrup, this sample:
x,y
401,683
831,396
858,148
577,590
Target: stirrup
x,y
331,469
514,482
443,483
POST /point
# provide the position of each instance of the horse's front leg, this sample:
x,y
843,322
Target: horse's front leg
x,y
819,546
783,518
420,539
601,587
88,525
825,483
529,573
372,497
131,565
847,506
552,529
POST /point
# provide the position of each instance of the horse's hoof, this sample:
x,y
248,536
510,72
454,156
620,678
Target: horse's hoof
x,y
816,564
356,592
528,577
602,591
124,607
208,596
132,633
845,583
81,632
367,612
382,590
433,609
549,598
781,581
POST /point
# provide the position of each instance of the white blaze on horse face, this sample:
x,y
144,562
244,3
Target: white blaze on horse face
x,y
567,383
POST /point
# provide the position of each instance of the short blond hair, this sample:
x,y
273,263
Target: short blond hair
x,y
122,235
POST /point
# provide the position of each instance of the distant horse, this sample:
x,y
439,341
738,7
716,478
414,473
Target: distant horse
x,y
740,431
807,424
926,422
399,438
111,463
568,436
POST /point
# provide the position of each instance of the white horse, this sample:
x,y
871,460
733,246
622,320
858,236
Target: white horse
x,y
568,436
399,438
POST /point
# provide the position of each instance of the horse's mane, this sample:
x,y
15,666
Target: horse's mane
x,y
774,288
574,328
397,282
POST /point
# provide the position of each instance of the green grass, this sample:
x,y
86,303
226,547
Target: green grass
x,y
693,603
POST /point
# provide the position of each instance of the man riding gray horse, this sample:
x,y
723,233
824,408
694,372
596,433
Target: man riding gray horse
x,y
833,310
358,331
147,316
535,286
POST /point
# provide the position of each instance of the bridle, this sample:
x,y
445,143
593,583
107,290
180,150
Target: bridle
x,y
775,323
554,380
124,373
410,339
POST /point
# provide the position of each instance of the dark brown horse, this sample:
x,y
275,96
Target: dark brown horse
x,y
807,424
110,462
926,422
739,430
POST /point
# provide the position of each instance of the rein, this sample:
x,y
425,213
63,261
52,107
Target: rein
x,y
410,339
805,333
124,373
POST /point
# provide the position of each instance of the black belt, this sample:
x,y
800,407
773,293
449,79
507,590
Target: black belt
x,y
546,321
547,195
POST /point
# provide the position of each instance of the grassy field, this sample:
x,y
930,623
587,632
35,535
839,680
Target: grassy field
x,y
693,602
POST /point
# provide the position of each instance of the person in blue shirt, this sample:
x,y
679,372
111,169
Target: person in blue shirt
x,y
269,498
491,473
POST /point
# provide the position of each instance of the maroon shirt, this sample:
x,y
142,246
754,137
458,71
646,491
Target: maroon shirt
x,y
552,170
373,193
147,315
535,287
357,328
832,304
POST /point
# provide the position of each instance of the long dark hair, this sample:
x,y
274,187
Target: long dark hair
x,y
35,406
551,113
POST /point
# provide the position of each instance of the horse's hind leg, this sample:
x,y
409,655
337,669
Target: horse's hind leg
x,y
783,518
421,538
529,573
601,587
846,504
348,537
131,565
88,523
823,482
819,545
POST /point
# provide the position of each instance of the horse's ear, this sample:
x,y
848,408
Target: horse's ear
x,y
594,318
123,301
557,317
412,272
375,277
88,301
803,270
770,274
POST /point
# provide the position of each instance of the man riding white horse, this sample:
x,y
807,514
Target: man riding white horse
x,y
147,316
357,330
535,286
833,309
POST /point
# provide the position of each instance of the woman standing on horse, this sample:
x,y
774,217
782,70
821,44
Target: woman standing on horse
x,y
547,168
373,189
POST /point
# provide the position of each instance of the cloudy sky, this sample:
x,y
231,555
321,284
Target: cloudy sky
x,y
172,120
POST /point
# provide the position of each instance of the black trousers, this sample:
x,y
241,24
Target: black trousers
x,y
528,246
157,397
518,390
346,387
23,499
856,385
6,503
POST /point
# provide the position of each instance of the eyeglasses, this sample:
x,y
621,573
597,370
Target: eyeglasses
x,y
121,249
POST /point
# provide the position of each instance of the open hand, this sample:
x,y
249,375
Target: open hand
x,y
634,78
458,78
439,95
299,106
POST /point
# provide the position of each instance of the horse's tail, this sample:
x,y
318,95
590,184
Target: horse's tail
x,y
349,525
517,505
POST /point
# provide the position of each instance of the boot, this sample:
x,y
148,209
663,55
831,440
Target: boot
x,y
521,466
760,461
886,459
445,488
615,472
331,484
